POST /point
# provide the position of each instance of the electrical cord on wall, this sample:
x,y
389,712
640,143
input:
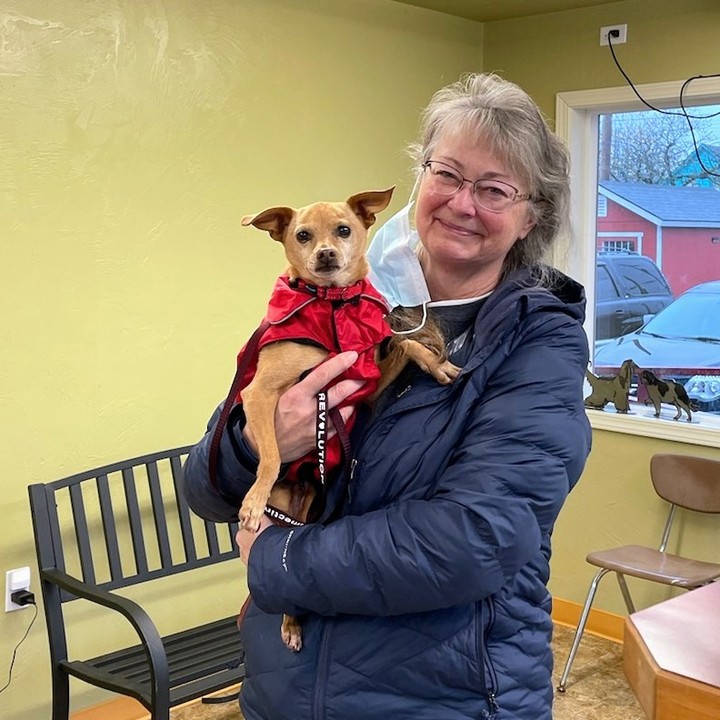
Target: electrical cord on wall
x,y
688,117
20,597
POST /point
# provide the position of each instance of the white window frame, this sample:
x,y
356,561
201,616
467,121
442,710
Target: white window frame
x,y
576,121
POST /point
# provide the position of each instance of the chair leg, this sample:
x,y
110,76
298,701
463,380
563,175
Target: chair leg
x,y
625,593
580,629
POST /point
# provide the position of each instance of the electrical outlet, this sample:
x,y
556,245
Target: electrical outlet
x,y
18,579
618,39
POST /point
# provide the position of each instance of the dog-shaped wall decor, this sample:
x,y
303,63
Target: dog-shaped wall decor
x,y
323,304
667,391
613,389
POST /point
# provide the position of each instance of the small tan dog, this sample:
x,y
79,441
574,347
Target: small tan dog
x,y
325,247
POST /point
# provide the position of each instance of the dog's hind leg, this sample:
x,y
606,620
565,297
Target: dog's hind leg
x,y
291,632
680,405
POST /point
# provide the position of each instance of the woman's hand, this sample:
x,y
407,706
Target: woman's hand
x,y
246,538
295,417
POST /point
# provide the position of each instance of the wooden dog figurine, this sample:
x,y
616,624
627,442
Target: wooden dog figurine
x,y
613,389
323,304
666,391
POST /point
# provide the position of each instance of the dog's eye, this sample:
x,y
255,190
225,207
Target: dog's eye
x,y
343,231
303,236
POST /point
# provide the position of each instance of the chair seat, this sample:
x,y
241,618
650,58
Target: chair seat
x,y
202,660
651,564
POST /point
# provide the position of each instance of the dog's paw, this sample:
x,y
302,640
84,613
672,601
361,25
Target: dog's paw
x,y
251,513
446,372
291,633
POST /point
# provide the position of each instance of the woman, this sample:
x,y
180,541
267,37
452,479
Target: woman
x,y
424,595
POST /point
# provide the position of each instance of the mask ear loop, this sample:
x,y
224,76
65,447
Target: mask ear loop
x,y
415,329
424,305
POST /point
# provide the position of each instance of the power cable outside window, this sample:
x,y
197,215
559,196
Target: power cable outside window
x,y
688,117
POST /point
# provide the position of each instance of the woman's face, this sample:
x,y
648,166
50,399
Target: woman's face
x,y
459,238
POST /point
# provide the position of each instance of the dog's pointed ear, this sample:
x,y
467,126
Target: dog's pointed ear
x,y
366,204
273,220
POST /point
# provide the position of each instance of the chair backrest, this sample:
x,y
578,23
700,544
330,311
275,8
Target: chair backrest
x,y
125,523
687,481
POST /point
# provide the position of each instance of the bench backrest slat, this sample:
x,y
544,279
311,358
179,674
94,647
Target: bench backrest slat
x,y
122,524
109,527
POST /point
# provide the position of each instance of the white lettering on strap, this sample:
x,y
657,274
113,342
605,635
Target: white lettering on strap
x,y
320,432
285,550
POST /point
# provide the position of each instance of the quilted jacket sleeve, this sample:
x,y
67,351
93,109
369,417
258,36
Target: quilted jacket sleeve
x,y
235,473
492,510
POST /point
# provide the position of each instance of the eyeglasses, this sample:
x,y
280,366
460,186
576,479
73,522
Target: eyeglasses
x,y
493,195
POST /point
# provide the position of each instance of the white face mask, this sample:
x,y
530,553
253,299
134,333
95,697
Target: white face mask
x,y
395,270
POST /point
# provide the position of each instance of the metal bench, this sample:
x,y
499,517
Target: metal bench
x,y
116,526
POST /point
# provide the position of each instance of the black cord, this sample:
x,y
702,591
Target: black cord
x,y
688,117
12,661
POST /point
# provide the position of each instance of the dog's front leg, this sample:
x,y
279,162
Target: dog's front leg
x,y
260,403
428,361
279,367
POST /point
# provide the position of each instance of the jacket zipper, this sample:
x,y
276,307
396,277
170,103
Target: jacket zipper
x,y
490,674
323,663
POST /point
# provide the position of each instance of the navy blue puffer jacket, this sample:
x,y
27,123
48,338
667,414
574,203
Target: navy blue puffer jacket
x,y
426,599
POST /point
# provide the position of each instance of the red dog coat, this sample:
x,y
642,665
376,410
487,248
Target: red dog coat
x,y
337,319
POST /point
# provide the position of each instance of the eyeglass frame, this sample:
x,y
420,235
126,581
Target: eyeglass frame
x,y
518,197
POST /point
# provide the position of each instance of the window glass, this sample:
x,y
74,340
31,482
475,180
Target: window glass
x,y
661,187
604,286
641,279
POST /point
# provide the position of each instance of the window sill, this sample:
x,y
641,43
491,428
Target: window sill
x,y
704,429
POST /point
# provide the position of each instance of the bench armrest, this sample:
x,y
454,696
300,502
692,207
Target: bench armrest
x,y
139,619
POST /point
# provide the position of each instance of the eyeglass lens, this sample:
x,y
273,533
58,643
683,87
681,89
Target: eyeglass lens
x,y
489,194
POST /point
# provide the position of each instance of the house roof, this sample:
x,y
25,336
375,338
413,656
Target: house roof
x,y
667,205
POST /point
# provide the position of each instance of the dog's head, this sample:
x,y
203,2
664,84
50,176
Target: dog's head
x,y
325,242
648,378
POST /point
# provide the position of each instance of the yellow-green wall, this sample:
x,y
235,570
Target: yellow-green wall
x,y
134,136
667,41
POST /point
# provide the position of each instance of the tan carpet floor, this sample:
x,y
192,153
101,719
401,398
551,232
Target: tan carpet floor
x,y
597,688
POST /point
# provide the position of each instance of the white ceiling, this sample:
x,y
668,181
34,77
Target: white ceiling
x,y
489,10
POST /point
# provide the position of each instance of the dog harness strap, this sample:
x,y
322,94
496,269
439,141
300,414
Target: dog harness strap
x,y
251,351
344,437
281,518
344,293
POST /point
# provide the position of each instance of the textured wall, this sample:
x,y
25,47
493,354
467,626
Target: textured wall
x,y
133,138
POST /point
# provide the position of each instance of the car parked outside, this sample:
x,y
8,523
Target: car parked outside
x,y
681,342
628,286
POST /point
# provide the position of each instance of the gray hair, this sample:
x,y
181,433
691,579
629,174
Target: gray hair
x,y
500,115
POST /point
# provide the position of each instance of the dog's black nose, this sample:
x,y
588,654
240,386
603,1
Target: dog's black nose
x,y
327,255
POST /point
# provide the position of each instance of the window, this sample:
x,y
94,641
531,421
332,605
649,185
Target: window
x,y
626,224
617,245
602,206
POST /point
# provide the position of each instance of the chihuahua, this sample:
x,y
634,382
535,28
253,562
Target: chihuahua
x,y
323,304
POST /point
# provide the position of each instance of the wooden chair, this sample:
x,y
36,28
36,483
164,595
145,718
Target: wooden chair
x,y
120,525
687,482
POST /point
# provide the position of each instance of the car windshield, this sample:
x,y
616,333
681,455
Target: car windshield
x,y
694,316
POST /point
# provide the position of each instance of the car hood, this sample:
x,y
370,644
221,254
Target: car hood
x,y
653,352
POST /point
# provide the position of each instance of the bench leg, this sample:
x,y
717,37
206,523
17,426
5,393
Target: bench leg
x,y
60,695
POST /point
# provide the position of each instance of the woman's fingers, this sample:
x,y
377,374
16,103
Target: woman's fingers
x,y
326,372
